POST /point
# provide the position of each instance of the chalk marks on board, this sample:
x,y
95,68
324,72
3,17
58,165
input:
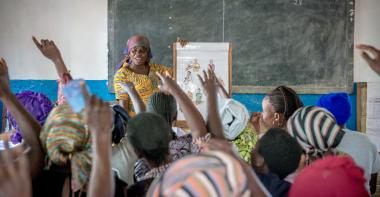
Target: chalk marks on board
x,y
298,2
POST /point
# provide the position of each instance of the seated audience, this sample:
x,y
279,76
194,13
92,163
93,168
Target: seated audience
x,y
365,152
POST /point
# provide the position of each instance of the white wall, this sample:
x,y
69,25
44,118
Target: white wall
x,y
367,31
78,27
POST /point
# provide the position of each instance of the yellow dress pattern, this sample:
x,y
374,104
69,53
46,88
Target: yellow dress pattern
x,y
145,85
246,141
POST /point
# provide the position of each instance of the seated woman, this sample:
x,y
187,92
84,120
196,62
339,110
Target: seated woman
x,y
137,69
278,106
316,131
236,125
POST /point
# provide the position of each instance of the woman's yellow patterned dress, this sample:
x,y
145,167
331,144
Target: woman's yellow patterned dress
x,y
145,85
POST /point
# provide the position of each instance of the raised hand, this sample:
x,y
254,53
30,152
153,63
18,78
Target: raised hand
x,y
48,49
15,177
126,87
4,79
99,120
255,120
98,116
210,87
209,83
374,62
167,85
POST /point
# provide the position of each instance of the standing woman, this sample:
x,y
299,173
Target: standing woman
x,y
136,68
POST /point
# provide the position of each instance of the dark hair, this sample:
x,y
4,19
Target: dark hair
x,y
284,100
280,151
164,105
149,135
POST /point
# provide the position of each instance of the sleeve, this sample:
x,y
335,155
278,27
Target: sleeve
x,y
162,69
62,81
120,78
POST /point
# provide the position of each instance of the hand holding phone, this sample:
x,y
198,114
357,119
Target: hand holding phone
x,y
74,96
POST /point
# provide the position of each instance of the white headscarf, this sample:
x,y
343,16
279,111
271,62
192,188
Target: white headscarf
x,y
234,117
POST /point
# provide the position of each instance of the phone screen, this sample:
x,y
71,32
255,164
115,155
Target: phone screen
x,y
73,94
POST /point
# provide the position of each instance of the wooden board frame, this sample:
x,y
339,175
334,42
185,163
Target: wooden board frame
x,y
361,106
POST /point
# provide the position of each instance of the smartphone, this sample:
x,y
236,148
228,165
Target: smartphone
x,y
73,94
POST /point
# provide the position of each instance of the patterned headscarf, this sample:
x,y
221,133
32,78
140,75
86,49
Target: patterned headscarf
x,y
135,41
330,176
212,173
66,141
37,104
315,129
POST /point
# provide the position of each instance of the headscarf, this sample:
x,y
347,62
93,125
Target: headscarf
x,y
164,105
135,41
67,141
234,116
331,176
37,104
338,104
212,173
315,129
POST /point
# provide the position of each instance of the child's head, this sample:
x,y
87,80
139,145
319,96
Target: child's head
x,y
149,135
338,104
164,105
279,105
278,151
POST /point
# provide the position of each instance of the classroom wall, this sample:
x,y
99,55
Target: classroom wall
x,y
367,31
79,28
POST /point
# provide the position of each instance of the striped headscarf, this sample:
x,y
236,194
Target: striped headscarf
x,y
315,129
66,140
212,173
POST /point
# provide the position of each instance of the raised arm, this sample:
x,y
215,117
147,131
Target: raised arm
x,y
137,102
210,87
15,178
99,121
193,117
374,62
29,126
51,51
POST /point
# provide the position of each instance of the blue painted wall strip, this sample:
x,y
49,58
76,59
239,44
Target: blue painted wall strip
x,y
99,87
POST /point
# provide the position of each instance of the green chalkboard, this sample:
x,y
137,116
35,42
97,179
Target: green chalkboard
x,y
305,44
